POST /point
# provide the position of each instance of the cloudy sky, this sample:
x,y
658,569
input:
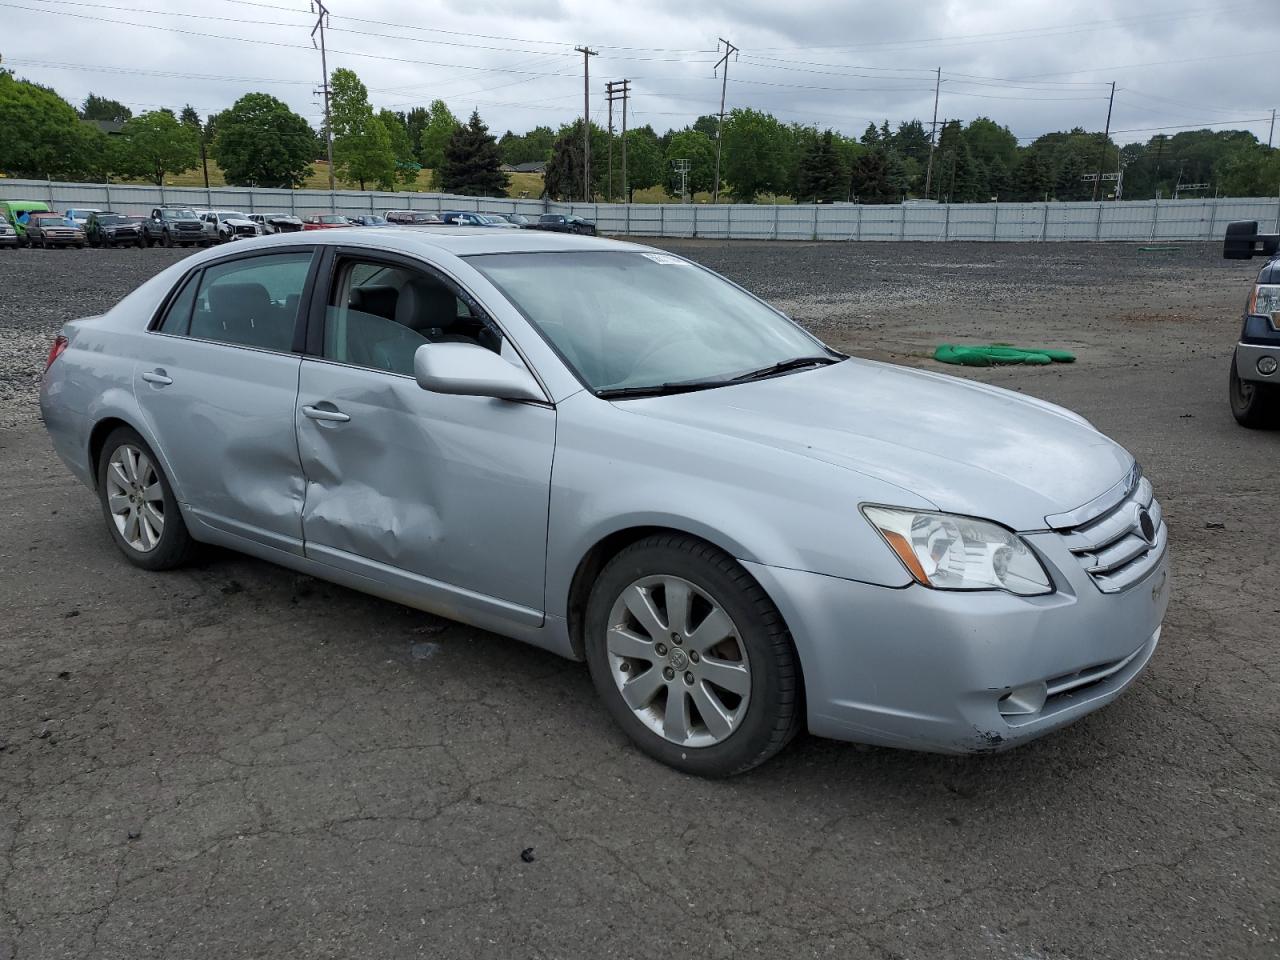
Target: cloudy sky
x,y
1032,65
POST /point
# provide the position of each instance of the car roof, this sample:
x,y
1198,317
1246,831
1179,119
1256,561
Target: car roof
x,y
460,241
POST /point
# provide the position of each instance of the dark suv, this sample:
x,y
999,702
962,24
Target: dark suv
x,y
1255,365
172,226
560,223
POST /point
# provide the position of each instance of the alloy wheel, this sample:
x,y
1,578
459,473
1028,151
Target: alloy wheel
x,y
135,498
678,661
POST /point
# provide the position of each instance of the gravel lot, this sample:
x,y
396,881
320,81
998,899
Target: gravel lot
x,y
233,761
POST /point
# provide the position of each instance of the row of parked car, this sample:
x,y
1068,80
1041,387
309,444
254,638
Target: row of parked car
x,y
34,224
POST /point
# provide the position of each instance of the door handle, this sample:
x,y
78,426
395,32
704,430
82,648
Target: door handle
x,y
157,377
320,413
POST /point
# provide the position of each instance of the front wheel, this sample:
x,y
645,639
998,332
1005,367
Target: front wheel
x,y
691,657
141,511
1255,405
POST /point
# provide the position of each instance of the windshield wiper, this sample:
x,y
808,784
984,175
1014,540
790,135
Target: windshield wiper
x,y
688,386
795,363
658,389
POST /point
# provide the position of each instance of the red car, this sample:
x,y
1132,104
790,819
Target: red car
x,y
327,221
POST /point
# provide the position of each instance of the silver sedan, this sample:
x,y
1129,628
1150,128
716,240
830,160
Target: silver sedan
x,y
613,453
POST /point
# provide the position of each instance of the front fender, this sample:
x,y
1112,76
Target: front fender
x,y
614,472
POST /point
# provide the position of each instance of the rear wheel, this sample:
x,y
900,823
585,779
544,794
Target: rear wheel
x,y
691,657
138,504
1253,404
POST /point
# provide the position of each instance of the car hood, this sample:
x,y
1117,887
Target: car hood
x,y
239,222
966,447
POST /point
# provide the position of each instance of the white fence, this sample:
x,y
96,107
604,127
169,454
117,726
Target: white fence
x,y
1141,220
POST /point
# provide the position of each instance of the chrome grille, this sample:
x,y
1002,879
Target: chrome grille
x,y
1116,547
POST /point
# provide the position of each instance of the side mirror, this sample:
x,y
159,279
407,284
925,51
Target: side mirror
x,y
469,370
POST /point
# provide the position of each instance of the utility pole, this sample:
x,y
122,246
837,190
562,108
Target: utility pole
x,y
1106,136
618,90
1272,132
322,16
933,133
724,82
587,53
608,95
682,168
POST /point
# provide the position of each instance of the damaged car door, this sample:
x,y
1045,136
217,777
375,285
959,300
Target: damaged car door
x,y
217,381
441,499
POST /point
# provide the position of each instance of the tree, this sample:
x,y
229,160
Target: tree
x,y
912,141
644,160
262,143
435,135
755,155
708,125
155,144
100,108
407,168
472,164
362,147
43,135
1032,179
564,170
870,136
191,118
821,174
700,151
870,178
528,147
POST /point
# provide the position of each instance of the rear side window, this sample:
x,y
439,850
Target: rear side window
x,y
177,319
252,302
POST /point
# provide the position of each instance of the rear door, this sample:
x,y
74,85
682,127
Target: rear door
x,y
443,497
217,380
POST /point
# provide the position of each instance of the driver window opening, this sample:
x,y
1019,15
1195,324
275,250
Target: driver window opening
x,y
378,315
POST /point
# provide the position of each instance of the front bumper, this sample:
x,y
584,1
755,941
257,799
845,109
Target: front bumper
x,y
1247,357
955,672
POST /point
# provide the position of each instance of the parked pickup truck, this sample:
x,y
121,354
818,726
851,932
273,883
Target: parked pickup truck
x,y
173,226
1255,366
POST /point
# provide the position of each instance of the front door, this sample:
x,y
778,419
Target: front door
x,y
217,382
446,497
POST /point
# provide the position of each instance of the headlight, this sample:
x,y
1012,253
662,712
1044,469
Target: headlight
x,y
1265,299
949,552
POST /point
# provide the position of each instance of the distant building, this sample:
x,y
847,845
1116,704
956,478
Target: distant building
x,y
111,128
533,166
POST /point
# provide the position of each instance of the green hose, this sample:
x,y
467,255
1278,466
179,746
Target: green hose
x,y
1000,353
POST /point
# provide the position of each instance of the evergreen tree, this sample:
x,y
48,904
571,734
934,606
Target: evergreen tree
x,y
821,175
1032,179
101,108
870,136
870,179
472,165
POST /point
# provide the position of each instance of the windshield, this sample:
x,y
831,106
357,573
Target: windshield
x,y
634,320
178,214
111,218
231,215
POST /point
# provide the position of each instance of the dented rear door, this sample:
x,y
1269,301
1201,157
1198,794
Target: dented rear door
x,y
445,495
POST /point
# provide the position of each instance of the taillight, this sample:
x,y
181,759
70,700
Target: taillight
x,y
55,351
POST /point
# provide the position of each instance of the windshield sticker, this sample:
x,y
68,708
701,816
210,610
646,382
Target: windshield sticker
x,y
666,259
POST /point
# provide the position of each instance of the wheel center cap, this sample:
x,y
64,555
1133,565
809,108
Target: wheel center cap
x,y
679,659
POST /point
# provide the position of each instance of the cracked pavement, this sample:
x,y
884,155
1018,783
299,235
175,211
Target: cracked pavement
x,y
236,761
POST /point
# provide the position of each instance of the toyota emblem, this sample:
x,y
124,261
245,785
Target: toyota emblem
x,y
1146,525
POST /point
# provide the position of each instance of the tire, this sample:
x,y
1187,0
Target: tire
x,y
167,238
754,654
116,489
1254,405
